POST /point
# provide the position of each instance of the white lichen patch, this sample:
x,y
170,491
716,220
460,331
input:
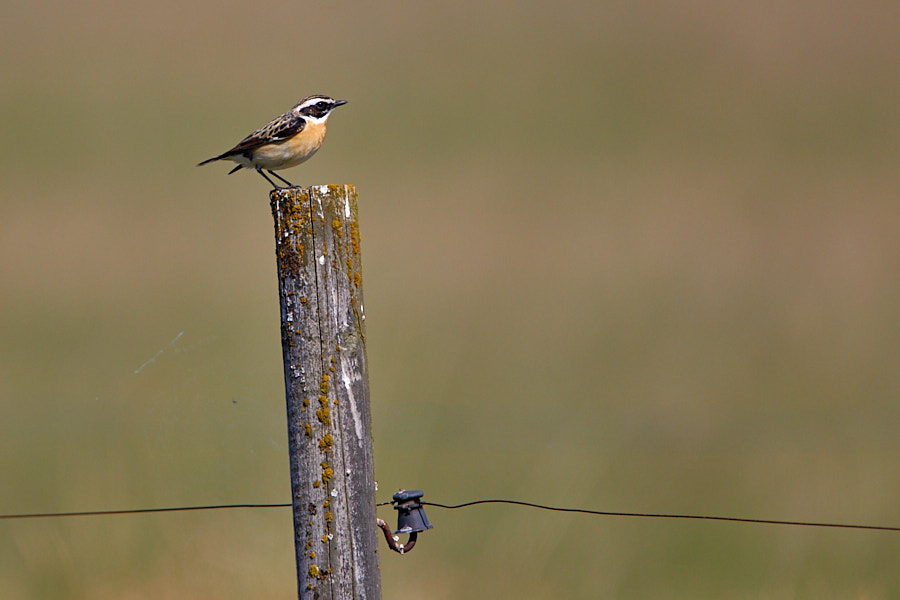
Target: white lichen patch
x,y
349,378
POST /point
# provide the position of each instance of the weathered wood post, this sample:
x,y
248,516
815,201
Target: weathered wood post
x,y
327,387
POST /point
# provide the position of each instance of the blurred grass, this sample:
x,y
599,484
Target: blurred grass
x,y
618,256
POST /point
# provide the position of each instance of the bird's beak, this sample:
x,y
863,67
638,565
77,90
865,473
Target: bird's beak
x,y
339,103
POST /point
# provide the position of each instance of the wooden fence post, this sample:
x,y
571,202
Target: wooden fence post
x,y
327,388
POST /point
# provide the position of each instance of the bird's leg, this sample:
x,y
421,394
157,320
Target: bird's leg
x,y
281,178
266,177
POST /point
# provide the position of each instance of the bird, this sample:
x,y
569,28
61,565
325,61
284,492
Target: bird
x,y
285,141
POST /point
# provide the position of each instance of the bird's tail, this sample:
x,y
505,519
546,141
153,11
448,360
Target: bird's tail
x,y
209,160
220,157
215,158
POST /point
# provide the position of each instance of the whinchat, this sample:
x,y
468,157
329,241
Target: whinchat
x,y
284,142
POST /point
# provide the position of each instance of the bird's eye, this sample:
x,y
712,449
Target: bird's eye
x,y
321,104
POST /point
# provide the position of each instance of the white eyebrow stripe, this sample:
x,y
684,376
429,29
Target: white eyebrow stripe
x,y
311,101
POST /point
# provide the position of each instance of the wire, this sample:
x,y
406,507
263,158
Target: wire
x,y
465,504
666,516
135,511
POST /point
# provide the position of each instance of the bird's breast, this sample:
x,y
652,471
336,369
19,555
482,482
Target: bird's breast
x,y
290,152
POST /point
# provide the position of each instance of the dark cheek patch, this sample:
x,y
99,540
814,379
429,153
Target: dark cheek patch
x,y
315,111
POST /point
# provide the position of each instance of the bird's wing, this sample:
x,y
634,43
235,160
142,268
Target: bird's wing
x,y
277,130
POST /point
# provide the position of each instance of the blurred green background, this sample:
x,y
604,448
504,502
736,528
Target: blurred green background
x,y
622,256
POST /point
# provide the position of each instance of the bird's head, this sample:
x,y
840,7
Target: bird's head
x,y
317,108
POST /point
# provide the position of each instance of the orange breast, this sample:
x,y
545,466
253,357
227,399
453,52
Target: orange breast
x,y
291,152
